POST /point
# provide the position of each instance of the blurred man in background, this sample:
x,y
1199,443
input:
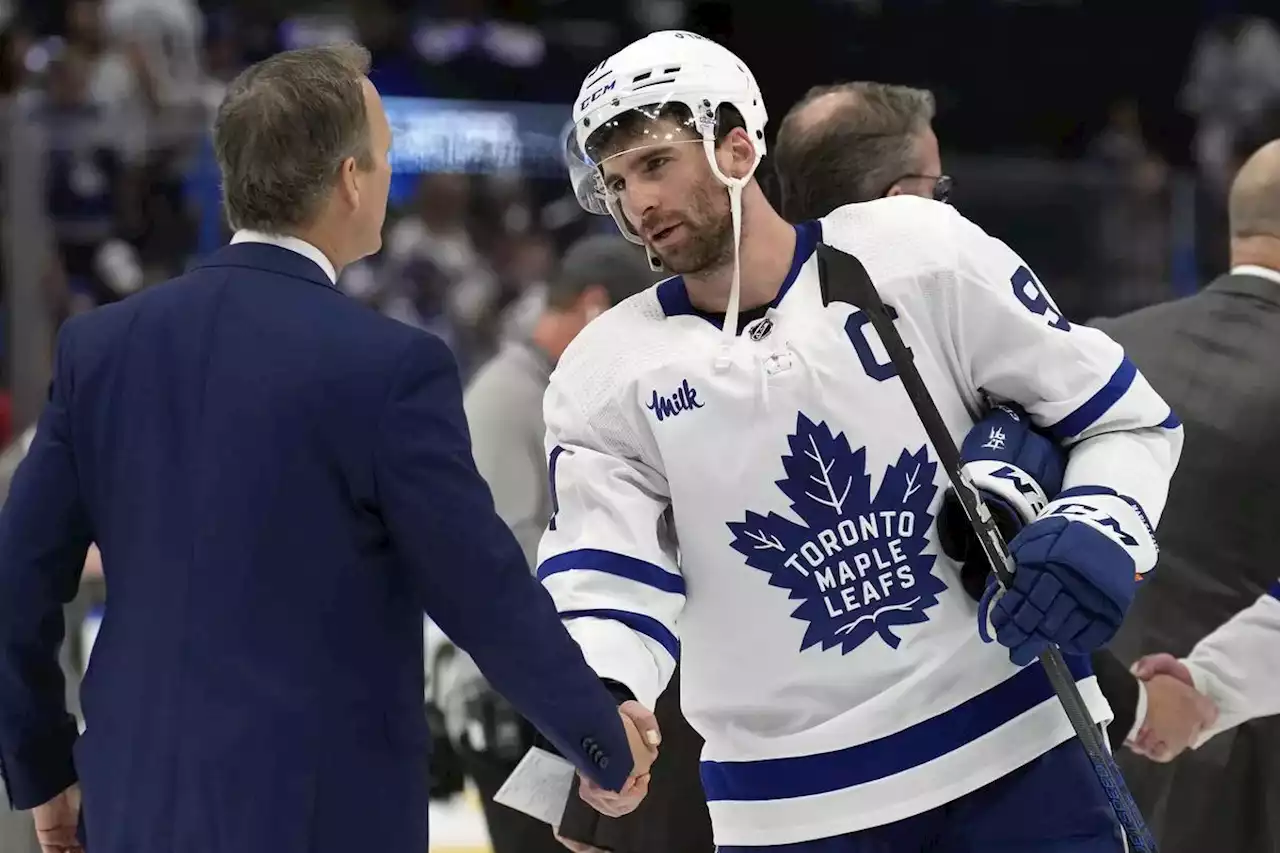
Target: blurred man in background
x,y
504,412
855,142
1213,357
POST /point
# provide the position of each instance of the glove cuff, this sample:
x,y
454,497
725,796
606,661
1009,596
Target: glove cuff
x,y
1115,516
1011,484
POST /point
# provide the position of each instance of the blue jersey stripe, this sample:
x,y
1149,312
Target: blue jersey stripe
x,y
1097,405
802,776
1274,590
638,622
631,568
1171,422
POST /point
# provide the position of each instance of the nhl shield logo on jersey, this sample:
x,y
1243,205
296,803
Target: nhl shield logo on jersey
x,y
857,562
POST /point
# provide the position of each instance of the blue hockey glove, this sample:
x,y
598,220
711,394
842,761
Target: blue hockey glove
x,y
1017,469
1076,569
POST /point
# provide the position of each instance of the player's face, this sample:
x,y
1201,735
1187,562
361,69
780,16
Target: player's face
x,y
675,203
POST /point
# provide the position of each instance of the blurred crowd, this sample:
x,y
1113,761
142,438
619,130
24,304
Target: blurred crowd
x,y
123,92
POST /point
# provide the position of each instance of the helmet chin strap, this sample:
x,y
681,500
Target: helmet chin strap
x,y
735,186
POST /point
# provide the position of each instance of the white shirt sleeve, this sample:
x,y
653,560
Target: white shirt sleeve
x,y
1238,665
1014,344
608,557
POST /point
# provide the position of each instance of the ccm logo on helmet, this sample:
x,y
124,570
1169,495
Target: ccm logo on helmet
x,y
597,94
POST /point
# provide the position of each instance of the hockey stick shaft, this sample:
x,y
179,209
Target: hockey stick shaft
x,y
845,279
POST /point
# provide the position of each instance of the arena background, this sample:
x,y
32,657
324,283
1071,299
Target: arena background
x,y
1096,136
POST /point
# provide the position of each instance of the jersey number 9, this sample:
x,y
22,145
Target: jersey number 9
x,y
1032,295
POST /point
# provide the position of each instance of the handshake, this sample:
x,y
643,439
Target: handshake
x,y
1176,714
643,736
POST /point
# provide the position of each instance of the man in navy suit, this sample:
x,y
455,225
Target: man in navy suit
x,y
280,481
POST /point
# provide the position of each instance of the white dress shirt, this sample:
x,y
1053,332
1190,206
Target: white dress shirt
x,y
1237,666
293,244
1260,272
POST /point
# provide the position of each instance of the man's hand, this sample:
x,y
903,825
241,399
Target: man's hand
x,y
1176,712
643,736
1162,664
56,823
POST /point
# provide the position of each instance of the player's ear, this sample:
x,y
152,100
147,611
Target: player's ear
x,y
736,153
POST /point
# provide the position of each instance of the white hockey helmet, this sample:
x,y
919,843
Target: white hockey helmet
x,y
664,75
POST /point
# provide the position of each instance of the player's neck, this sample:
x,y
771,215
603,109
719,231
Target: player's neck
x,y
1258,251
768,245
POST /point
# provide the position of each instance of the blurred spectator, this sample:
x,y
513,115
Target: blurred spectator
x,y
85,185
166,36
434,275
1233,79
1133,226
15,41
117,76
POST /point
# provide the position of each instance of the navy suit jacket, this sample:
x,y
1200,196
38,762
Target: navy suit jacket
x,y
280,481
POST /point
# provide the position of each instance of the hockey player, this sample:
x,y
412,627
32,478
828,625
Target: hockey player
x,y
861,140
740,481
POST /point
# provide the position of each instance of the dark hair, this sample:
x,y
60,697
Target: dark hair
x,y
611,136
284,129
855,153
604,260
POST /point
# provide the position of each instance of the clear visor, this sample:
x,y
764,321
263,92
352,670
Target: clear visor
x,y
588,145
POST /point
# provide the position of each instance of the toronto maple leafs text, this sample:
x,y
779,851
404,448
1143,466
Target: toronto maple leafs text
x,y
848,579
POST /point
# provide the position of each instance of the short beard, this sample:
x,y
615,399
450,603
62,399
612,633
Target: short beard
x,y
709,244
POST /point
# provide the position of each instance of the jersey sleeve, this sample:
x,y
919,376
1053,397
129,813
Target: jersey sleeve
x,y
1238,665
607,557
1012,343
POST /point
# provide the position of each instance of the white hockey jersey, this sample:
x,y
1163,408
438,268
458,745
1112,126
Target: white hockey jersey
x,y
772,524
1238,665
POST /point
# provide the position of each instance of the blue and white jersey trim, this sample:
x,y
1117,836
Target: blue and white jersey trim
x,y
1126,401
598,592
777,800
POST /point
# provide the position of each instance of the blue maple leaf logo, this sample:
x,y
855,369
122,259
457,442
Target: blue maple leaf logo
x,y
857,563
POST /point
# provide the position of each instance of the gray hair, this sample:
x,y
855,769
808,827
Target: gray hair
x,y
284,129
853,152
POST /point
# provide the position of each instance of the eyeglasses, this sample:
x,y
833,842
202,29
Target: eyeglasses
x,y
942,185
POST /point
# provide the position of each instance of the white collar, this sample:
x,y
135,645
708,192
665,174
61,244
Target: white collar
x,y
1260,272
293,244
